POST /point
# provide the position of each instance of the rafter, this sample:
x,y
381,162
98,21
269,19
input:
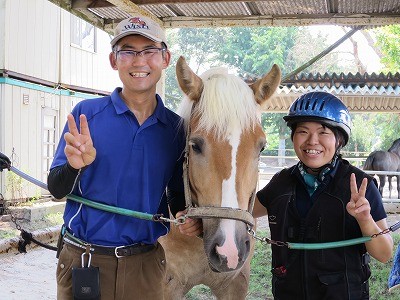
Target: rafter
x,y
158,2
80,4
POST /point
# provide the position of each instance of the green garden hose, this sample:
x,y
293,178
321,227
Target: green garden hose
x,y
318,246
112,209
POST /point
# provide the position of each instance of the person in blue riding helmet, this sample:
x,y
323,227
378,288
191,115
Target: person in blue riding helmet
x,y
323,198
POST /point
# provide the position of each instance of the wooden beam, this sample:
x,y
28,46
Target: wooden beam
x,y
81,13
285,21
131,8
159,2
80,4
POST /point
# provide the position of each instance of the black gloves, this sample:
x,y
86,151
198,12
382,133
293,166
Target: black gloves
x,y
5,162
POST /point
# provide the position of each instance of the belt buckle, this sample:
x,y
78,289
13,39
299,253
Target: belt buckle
x,y
116,251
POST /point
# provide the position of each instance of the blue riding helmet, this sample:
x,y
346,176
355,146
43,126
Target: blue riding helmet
x,y
320,107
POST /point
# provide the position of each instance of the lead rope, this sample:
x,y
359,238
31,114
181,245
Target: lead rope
x,y
328,245
27,238
6,164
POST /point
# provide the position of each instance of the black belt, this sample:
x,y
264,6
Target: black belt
x,y
118,252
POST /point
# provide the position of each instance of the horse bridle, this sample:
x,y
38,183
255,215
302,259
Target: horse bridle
x,y
212,211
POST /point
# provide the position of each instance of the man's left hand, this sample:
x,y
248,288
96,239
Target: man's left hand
x,y
191,227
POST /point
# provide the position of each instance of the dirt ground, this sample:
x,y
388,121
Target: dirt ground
x,y
28,276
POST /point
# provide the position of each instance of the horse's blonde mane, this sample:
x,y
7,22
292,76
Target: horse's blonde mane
x,y
226,104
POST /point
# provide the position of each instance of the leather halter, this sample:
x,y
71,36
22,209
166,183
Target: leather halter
x,y
212,211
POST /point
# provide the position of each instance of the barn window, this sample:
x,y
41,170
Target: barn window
x,y
49,139
83,34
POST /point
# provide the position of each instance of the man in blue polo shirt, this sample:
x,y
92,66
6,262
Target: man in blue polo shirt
x,y
123,150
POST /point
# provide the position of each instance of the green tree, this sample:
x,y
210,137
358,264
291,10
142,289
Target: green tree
x,y
362,130
199,46
254,50
251,51
389,129
388,40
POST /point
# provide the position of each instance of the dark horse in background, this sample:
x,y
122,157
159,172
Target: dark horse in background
x,y
386,161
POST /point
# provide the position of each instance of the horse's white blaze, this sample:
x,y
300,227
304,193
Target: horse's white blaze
x,y
229,194
229,199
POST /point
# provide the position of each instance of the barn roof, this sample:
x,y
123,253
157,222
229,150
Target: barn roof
x,y
215,13
359,92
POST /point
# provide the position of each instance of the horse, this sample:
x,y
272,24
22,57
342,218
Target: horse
x,y
224,140
385,161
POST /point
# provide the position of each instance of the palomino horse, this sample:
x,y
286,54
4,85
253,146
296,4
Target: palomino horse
x,y
385,161
225,138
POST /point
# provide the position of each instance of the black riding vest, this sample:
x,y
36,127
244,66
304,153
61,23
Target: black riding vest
x,y
339,273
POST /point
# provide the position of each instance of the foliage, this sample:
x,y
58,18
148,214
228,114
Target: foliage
x,y
8,234
255,50
207,47
199,47
260,274
360,138
389,129
388,40
251,51
308,45
373,131
275,128
15,186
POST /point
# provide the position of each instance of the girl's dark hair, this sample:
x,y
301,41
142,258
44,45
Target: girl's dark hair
x,y
340,140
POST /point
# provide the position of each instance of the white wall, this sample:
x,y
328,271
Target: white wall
x,y
37,43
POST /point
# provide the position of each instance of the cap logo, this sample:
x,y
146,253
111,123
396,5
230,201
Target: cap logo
x,y
136,23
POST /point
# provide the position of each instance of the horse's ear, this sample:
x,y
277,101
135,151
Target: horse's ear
x,y
189,82
265,87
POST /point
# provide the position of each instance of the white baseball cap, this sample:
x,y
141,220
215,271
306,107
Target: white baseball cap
x,y
139,25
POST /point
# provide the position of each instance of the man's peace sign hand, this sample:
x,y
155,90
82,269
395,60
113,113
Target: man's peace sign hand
x,y
358,205
79,146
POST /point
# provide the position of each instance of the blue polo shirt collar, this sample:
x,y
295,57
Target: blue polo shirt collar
x,y
121,107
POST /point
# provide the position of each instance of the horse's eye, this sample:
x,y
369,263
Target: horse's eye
x,y
196,148
197,145
262,144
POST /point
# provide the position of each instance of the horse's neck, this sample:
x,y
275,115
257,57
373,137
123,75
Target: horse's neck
x,y
395,150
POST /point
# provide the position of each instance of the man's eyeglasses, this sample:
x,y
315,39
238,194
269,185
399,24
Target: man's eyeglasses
x,y
128,55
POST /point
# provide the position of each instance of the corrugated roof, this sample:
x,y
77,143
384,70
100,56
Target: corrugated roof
x,y
358,97
203,13
359,92
350,79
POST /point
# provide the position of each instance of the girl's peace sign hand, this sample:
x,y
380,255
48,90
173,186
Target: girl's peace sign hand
x,y
79,146
358,205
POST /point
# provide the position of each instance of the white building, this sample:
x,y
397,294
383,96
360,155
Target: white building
x,y
49,61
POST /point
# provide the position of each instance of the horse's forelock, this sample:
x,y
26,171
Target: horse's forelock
x,y
227,103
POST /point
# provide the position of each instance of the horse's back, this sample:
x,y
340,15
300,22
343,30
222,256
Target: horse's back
x,y
382,161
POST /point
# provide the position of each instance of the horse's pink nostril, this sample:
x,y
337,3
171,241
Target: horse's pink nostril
x,y
230,252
